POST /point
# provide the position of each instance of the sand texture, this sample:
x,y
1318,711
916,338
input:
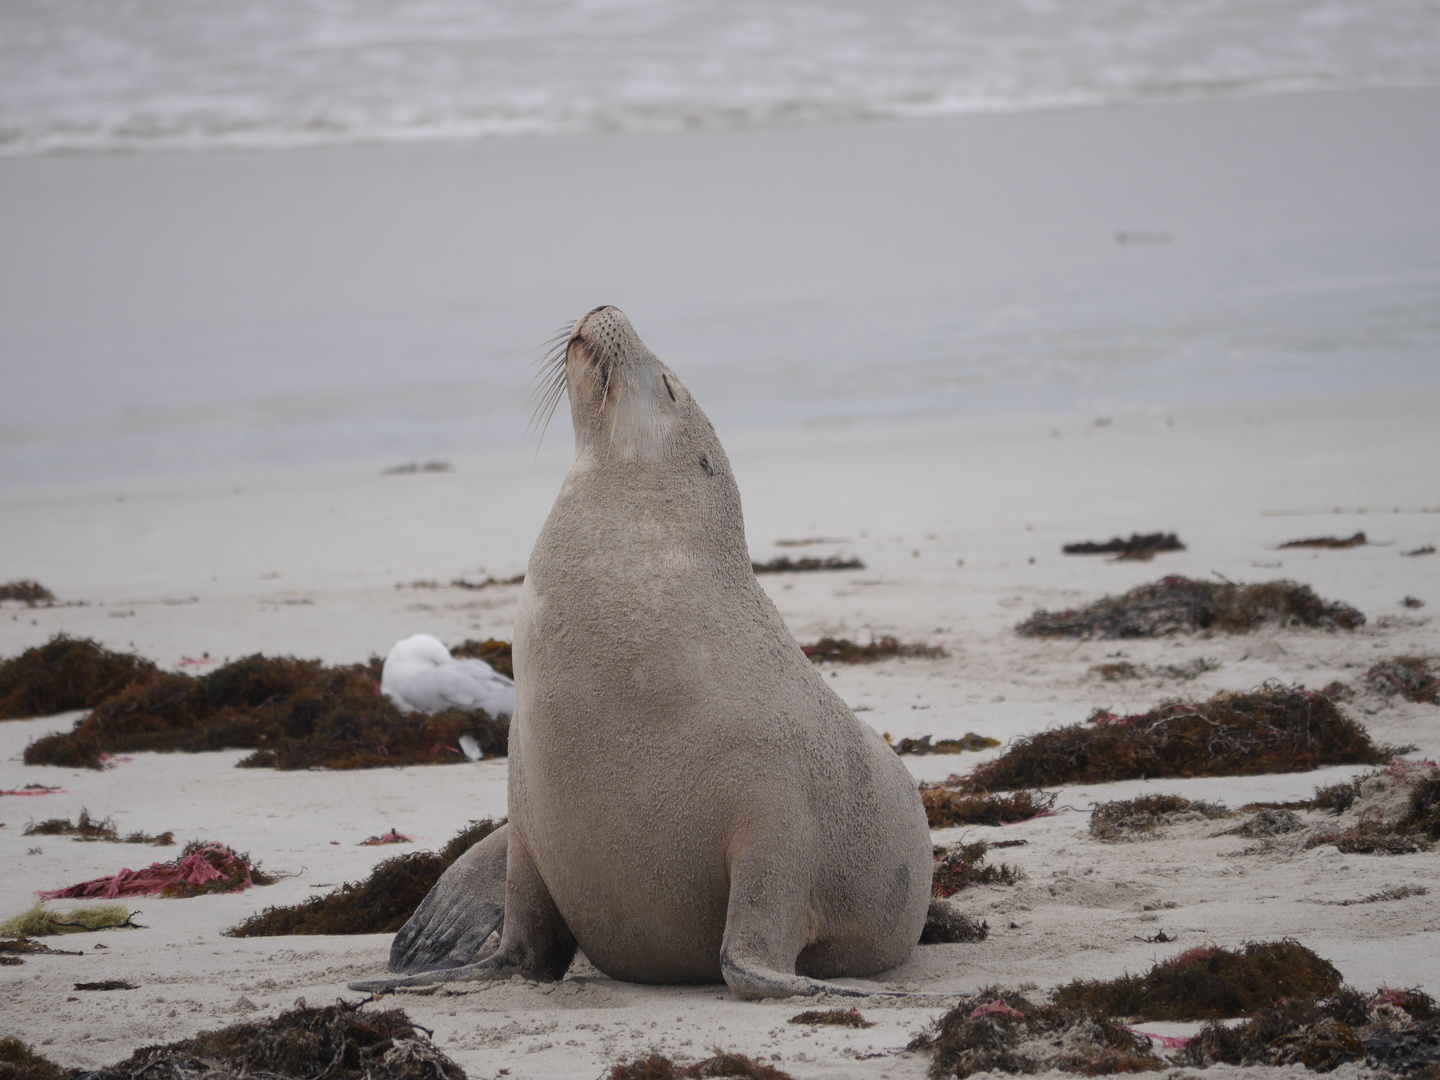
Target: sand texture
x,y
960,529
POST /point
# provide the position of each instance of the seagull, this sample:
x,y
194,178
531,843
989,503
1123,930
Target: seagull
x,y
421,675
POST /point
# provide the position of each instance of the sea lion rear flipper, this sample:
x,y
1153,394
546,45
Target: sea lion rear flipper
x,y
766,929
459,913
535,942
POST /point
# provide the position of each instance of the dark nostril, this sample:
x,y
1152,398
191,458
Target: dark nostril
x,y
602,307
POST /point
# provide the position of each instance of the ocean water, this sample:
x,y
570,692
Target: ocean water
x,y
216,254
137,74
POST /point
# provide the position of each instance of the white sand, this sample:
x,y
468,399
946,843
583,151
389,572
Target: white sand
x,y
993,496
306,562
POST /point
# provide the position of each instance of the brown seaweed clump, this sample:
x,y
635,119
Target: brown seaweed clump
x,y
784,564
1415,678
338,1042
945,924
845,651
1411,826
29,593
380,904
947,806
1209,983
1132,819
11,949
963,866
1140,547
19,1062
922,746
1299,1014
493,651
63,674
659,1067
1273,729
1003,1031
1176,604
295,714
1396,1031
1123,669
850,1018
87,828
1358,540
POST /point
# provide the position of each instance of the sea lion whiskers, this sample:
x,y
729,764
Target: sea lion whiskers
x,y
550,382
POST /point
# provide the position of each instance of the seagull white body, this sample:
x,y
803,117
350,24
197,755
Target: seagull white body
x,y
420,675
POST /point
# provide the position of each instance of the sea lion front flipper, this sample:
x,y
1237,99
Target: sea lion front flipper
x,y
535,942
459,913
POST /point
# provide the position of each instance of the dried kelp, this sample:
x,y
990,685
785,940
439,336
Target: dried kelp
x,y
294,714
945,924
1358,540
39,921
493,651
948,805
1413,825
488,583
1208,983
19,1062
87,828
784,564
850,1018
964,866
23,946
27,592
1270,821
1004,1031
1424,549
1123,669
107,984
394,836
1384,896
338,1042
659,1067
1396,1031
1299,1013
1415,678
201,868
63,674
922,746
1140,547
845,651
1270,730
380,904
1145,816
1177,604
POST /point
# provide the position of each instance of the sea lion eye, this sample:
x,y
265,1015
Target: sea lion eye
x,y
665,379
705,464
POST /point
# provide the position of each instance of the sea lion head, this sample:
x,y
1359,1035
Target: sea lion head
x,y
624,402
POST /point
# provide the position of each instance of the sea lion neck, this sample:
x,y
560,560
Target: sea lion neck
x,y
647,460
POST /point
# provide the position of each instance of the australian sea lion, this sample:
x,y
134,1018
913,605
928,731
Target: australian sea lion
x,y
689,800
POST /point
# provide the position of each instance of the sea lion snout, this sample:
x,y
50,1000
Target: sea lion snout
x,y
622,398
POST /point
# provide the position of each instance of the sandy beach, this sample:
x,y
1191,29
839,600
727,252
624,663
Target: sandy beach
x,y
1311,205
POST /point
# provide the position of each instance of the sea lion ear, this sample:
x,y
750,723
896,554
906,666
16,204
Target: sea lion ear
x,y
706,465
